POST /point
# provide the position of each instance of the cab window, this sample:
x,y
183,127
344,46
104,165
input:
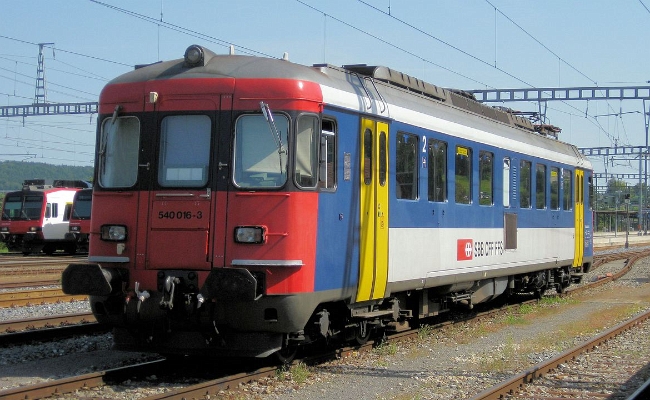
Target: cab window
x,y
260,154
184,151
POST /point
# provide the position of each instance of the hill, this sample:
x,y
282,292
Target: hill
x,y
13,173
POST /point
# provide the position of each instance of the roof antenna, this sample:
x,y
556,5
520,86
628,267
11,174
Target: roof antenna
x,y
232,50
285,56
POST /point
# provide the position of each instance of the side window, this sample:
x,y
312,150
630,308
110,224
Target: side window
x,y
540,186
555,188
306,152
463,175
567,187
383,158
486,178
184,151
66,212
48,210
524,184
590,181
327,162
55,210
406,169
506,182
437,167
118,151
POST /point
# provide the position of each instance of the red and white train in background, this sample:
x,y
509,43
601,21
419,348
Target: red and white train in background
x,y
245,206
37,217
79,223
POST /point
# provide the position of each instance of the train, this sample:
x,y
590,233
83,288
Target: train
x,y
36,218
79,222
249,206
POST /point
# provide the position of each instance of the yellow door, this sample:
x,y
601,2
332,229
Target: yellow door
x,y
373,252
579,207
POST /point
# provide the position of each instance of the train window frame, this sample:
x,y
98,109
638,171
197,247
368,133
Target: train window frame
x,y
486,169
51,210
12,208
28,212
327,174
67,211
525,184
463,169
184,151
437,152
406,164
590,182
555,188
383,159
567,189
368,151
118,154
506,182
243,177
540,186
305,151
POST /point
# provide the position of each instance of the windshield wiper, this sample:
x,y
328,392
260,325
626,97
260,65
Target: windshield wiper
x,y
24,215
268,115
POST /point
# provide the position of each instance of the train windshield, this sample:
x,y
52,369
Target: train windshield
x,y
258,160
118,152
18,207
82,205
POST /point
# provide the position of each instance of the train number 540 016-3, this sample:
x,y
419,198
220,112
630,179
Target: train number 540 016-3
x,y
179,215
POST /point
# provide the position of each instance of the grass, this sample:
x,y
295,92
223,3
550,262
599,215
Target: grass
x,y
297,373
425,331
3,248
386,349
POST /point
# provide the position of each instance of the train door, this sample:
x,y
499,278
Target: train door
x,y
579,209
180,210
373,251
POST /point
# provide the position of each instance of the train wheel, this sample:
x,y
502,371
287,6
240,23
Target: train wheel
x,y
49,249
71,249
287,354
362,333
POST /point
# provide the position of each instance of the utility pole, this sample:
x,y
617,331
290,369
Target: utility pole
x,y
40,93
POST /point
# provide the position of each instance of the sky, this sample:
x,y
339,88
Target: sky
x,y
463,44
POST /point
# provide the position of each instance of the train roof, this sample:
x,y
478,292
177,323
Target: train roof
x,y
237,66
348,78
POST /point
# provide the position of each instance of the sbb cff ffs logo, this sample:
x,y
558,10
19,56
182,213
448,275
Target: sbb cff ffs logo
x,y
465,249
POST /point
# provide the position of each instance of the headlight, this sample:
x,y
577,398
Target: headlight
x,y
250,234
75,228
113,233
35,228
4,229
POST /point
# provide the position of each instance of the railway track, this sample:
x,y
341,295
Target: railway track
x,y
19,271
52,321
68,385
590,370
36,296
207,386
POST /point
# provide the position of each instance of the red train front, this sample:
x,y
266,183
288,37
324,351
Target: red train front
x,y
79,229
203,236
